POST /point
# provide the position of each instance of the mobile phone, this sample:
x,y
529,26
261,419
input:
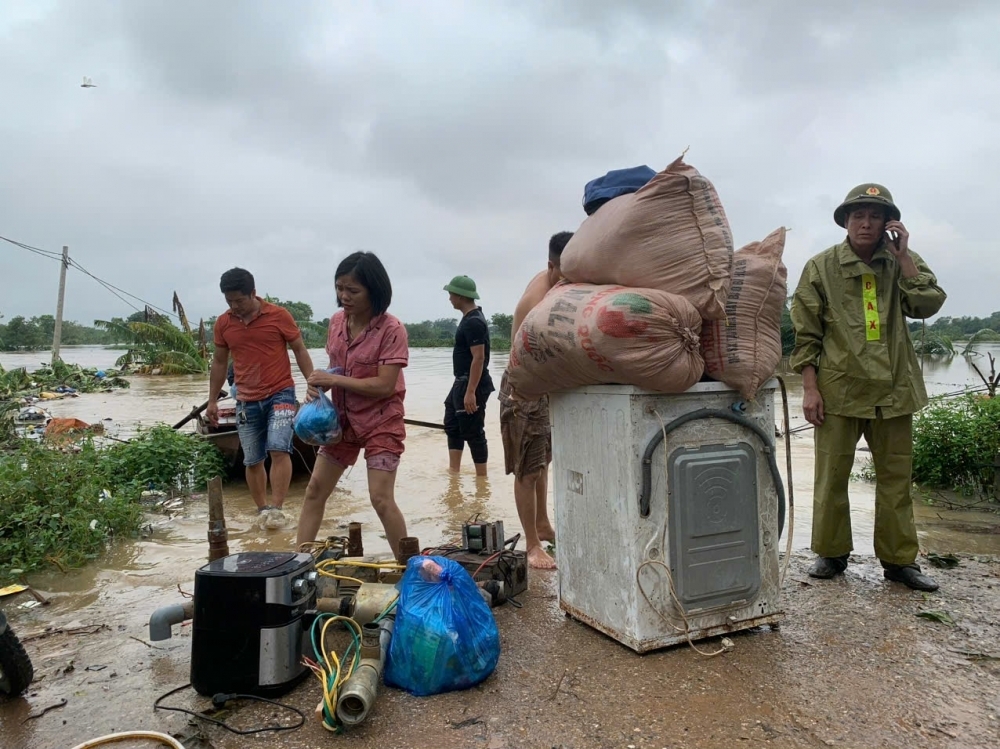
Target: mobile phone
x,y
894,238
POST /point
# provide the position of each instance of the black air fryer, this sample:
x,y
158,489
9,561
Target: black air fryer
x,y
247,632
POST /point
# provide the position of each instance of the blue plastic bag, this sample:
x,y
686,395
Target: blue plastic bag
x,y
317,422
445,637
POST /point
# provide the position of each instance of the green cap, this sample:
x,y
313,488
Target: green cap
x,y
870,193
463,286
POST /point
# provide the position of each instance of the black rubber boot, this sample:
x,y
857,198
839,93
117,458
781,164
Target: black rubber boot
x,y
910,575
826,567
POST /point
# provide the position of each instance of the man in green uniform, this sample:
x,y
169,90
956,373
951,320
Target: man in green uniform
x,y
860,376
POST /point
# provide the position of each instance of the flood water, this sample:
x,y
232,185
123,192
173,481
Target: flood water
x,y
434,502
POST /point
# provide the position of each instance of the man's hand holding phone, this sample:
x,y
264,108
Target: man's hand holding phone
x,y
899,239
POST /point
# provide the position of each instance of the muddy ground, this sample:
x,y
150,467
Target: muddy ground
x,y
852,665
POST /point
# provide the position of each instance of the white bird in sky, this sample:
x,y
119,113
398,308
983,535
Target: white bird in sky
x,y
87,83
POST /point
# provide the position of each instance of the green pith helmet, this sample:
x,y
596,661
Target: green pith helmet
x,y
463,286
867,193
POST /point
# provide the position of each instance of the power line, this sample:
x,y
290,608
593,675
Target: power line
x,y
37,250
107,285
114,289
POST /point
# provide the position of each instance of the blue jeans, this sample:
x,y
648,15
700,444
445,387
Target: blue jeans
x,y
266,426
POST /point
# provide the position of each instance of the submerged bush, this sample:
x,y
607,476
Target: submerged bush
x,y
165,459
955,443
61,507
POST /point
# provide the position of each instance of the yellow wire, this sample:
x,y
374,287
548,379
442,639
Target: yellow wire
x,y
340,577
335,672
368,565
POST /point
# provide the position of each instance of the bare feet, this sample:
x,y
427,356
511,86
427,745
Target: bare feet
x,y
539,560
546,532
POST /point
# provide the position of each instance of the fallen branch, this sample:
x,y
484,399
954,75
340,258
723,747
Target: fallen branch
x,y
468,722
91,629
558,685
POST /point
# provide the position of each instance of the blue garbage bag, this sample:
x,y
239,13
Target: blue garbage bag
x,y
445,637
617,182
317,422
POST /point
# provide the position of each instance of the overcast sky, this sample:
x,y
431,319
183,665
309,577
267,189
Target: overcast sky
x,y
456,137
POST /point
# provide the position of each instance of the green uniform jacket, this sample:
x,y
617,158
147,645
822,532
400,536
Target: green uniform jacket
x,y
849,320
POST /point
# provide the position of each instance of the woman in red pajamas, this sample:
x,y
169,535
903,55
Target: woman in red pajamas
x,y
370,347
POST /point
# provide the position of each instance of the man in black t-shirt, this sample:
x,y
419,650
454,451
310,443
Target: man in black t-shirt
x,y
465,406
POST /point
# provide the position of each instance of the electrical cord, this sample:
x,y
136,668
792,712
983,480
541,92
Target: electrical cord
x,y
113,738
791,489
672,621
332,670
221,700
686,629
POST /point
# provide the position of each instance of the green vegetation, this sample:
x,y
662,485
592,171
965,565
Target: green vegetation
x,y
432,333
18,383
313,333
33,334
955,442
958,328
157,346
933,344
440,333
61,507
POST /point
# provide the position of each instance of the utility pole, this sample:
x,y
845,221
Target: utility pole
x,y
57,333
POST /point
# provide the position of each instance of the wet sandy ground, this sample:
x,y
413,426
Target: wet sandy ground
x,y
850,666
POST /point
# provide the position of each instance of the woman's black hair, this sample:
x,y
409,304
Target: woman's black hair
x,y
368,270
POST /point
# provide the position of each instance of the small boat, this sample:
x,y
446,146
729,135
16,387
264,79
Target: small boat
x,y
225,437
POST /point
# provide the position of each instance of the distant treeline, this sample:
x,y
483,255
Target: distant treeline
x,y
960,328
32,334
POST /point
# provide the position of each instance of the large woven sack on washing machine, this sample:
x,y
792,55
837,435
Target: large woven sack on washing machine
x,y
581,334
672,235
743,350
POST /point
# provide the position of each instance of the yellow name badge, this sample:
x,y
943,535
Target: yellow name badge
x,y
873,328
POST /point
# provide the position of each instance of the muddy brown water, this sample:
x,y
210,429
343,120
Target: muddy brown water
x,y
134,577
436,503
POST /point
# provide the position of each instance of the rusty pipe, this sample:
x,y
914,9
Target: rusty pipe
x,y
409,546
355,547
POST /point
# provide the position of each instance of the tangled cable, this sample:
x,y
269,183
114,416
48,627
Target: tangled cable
x,y
331,669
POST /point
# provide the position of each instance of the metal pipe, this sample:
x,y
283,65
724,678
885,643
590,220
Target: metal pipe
x,y
165,617
371,600
355,548
359,692
409,546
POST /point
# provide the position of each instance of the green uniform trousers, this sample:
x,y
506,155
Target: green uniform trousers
x,y
891,443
